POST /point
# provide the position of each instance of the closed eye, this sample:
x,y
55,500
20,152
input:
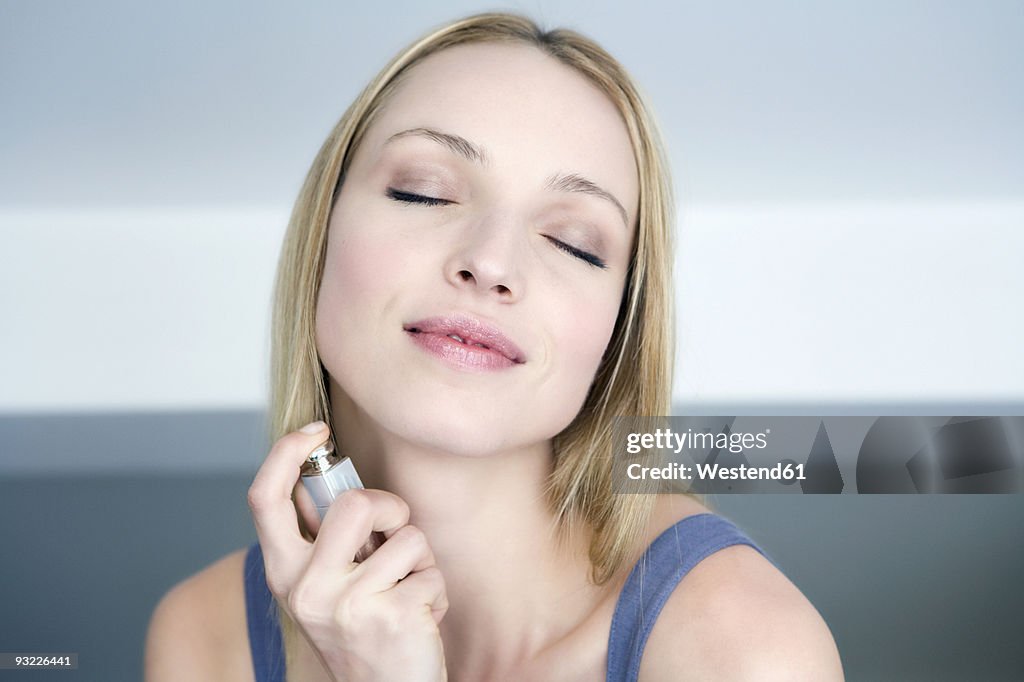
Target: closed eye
x,y
582,255
409,198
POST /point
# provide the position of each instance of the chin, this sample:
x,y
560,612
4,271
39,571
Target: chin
x,y
466,423
461,432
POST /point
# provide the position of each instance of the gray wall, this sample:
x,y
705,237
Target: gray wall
x,y
913,587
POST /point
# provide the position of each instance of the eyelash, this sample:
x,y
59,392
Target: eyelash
x,y
409,198
588,258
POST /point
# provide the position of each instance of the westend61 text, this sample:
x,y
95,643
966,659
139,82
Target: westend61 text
x,y
715,472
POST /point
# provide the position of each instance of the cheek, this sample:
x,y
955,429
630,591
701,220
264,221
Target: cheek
x,y
355,268
585,334
362,272
366,260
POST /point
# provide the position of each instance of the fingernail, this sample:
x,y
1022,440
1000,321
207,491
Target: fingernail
x,y
315,427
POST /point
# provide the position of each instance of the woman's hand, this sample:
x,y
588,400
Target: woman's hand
x,y
373,620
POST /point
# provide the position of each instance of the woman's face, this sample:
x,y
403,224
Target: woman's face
x,y
521,245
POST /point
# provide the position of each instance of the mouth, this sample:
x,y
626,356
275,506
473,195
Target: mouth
x,y
470,332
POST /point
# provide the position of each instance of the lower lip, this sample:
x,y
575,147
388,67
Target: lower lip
x,y
461,355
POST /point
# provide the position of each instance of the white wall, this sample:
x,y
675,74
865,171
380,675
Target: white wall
x,y
137,309
140,310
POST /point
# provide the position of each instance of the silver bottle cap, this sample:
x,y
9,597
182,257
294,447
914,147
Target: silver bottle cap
x,y
321,460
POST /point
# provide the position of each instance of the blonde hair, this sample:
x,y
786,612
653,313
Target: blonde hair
x,y
635,374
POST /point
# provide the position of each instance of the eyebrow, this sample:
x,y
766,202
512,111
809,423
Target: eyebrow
x,y
559,182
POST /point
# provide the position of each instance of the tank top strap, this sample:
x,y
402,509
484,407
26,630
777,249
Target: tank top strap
x,y
262,618
657,573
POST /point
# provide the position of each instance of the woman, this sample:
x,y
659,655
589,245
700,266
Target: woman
x,y
476,278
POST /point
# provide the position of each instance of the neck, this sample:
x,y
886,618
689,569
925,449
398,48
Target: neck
x,y
512,587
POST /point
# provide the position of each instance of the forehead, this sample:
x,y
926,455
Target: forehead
x,y
532,114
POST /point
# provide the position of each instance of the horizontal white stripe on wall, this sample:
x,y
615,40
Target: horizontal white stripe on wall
x,y
845,303
139,309
168,309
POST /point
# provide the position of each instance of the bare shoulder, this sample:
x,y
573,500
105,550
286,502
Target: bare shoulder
x,y
198,629
735,616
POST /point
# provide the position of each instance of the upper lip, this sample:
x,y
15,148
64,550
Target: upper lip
x,y
471,330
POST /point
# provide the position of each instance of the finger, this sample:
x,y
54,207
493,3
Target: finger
x,y
284,548
427,588
405,552
347,526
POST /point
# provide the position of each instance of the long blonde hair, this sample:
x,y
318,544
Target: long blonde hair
x,y
635,374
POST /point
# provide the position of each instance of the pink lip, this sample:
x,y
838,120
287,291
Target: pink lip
x,y
483,346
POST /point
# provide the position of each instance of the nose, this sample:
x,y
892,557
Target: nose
x,y
485,260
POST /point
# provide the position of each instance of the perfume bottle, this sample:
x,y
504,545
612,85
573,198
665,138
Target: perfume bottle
x,y
325,475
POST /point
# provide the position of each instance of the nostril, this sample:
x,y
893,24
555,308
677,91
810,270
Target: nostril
x,y
502,289
465,275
